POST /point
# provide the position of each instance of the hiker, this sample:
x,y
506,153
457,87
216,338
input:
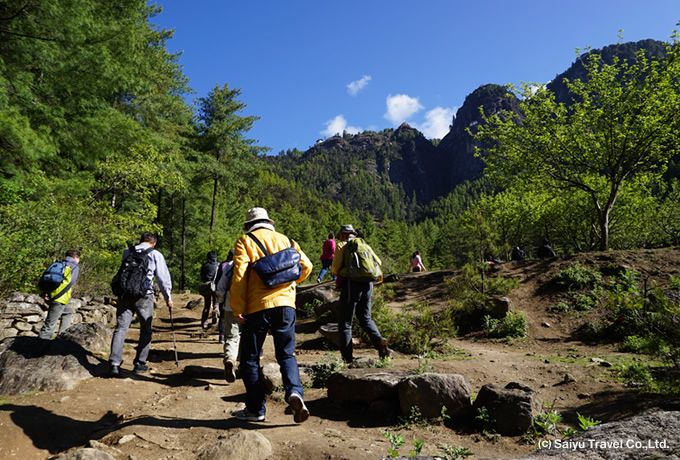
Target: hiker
x,y
261,308
57,300
546,250
230,327
127,306
416,263
207,290
517,254
489,257
355,298
327,255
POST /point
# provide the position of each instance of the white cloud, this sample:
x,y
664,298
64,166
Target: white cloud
x,y
356,86
401,107
437,122
337,125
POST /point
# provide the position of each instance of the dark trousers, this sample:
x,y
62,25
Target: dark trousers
x,y
355,299
281,321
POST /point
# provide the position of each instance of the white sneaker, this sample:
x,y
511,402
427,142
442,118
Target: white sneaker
x,y
297,405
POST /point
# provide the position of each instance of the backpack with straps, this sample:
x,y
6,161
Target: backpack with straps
x,y
131,281
279,268
52,277
362,265
229,273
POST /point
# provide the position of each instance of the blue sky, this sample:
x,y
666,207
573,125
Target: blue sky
x,y
312,68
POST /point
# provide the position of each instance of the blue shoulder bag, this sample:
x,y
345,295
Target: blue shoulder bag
x,y
279,268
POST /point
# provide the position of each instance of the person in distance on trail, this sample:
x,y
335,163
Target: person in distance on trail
x,y
546,250
58,299
416,263
355,298
260,309
230,327
207,290
126,308
327,255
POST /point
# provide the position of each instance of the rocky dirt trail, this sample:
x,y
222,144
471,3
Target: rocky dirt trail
x,y
177,411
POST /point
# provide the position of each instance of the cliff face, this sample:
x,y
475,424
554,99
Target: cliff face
x,y
457,149
392,166
622,51
415,165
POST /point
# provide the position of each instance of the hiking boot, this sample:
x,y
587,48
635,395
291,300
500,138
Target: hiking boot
x,y
140,368
246,415
297,405
383,351
229,370
114,371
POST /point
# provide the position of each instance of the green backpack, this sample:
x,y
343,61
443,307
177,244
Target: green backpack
x,y
362,264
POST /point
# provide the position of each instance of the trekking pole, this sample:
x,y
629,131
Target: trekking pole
x,y
174,343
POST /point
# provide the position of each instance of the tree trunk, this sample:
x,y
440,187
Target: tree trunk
x,y
214,211
171,227
184,243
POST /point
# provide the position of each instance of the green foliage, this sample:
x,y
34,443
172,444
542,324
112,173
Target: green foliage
x,y
577,276
546,423
330,364
396,441
418,445
416,418
483,420
416,330
635,314
453,453
586,422
513,325
470,294
619,128
308,308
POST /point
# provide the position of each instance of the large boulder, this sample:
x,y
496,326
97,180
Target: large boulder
x,y
86,453
432,392
364,385
30,364
643,437
510,408
244,445
91,336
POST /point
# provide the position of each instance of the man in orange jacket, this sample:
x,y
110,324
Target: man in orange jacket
x,y
260,309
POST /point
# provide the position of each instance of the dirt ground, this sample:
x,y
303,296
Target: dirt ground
x,y
176,411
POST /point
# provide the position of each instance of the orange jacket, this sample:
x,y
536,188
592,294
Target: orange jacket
x,y
248,293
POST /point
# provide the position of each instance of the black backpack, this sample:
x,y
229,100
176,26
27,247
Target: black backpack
x,y
131,282
518,253
209,270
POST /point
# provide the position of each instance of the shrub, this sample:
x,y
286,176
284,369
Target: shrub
x,y
321,371
469,296
578,277
513,325
416,329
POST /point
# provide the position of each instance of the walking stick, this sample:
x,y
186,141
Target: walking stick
x,y
174,343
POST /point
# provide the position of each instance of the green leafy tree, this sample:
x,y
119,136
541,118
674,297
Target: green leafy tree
x,y
221,139
620,127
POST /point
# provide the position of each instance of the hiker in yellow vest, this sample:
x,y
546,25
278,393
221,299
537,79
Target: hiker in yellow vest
x,y
57,300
